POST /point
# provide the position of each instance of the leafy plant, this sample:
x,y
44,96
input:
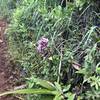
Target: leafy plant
x,y
69,59
51,89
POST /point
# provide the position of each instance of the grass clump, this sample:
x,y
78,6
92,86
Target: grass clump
x,y
70,59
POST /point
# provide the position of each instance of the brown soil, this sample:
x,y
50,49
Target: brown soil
x,y
6,73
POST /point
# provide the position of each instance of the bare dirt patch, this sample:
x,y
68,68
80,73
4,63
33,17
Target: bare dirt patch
x,y
6,72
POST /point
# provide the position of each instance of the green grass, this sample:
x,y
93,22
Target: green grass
x,y
72,56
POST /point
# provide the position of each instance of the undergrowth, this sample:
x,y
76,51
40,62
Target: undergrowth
x,y
69,66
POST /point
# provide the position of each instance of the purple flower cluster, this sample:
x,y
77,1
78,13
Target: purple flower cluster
x,y
42,44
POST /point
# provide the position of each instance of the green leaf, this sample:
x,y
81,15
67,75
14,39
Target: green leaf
x,y
82,71
45,84
70,96
66,88
80,3
58,86
58,97
98,68
96,86
29,91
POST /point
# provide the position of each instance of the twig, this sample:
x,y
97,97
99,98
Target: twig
x,y
60,63
84,11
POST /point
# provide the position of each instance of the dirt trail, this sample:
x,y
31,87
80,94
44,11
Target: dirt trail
x,y
5,68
